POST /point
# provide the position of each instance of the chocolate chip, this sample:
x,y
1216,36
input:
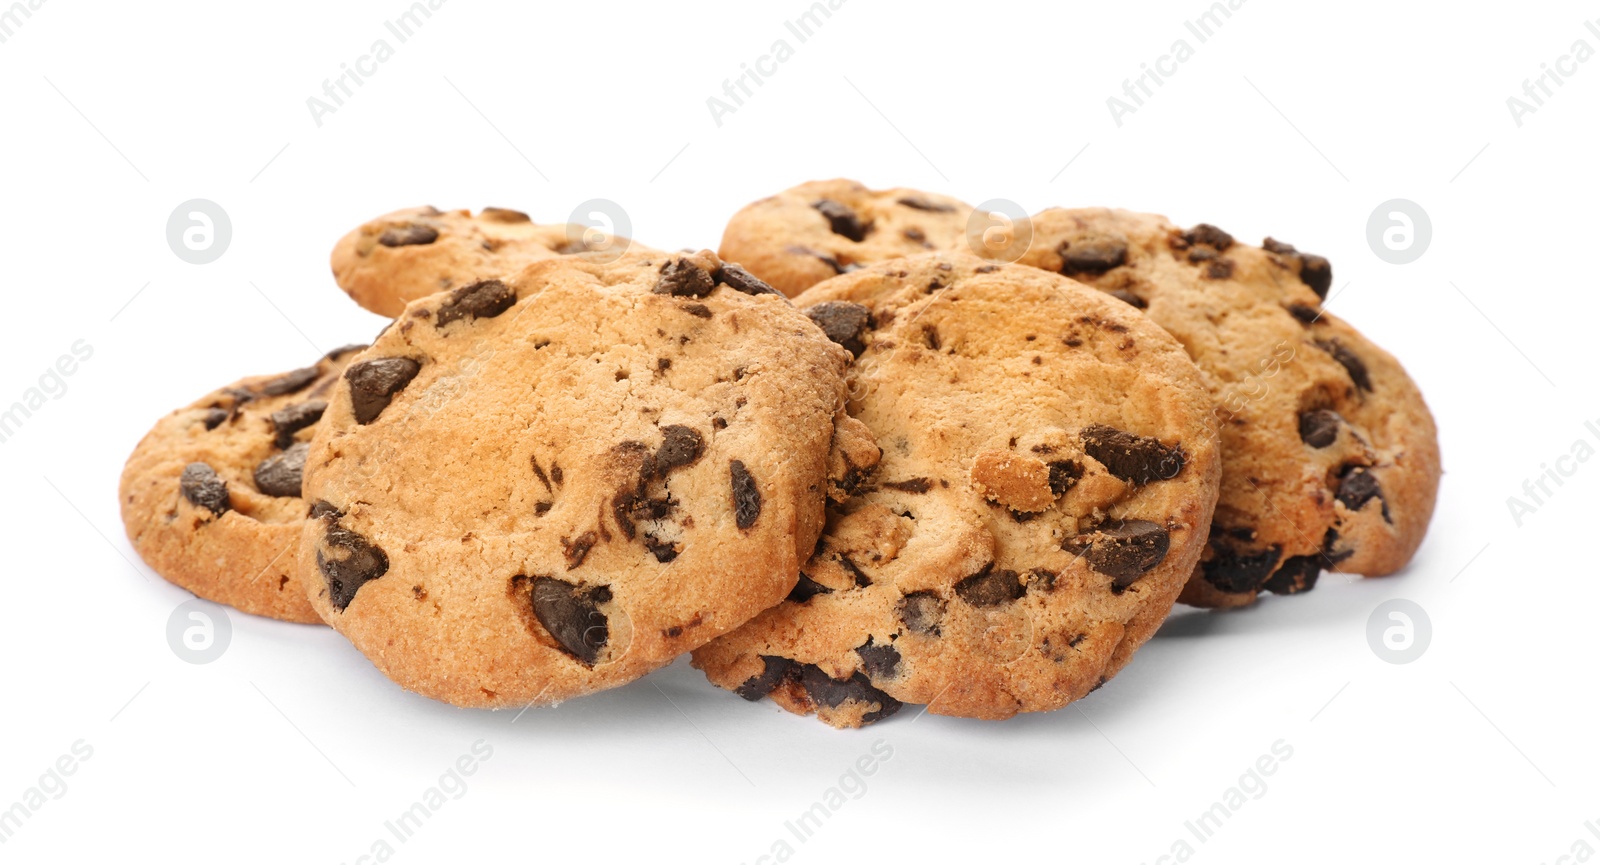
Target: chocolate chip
x,y
571,614
1222,268
680,446
1320,428
663,551
280,474
1278,246
681,278
1237,572
922,612
1210,235
485,299
409,235
291,419
743,281
1357,486
842,220
773,671
824,690
698,310
989,587
1128,297
860,576
915,235
1124,550
373,384
1317,274
843,322
914,485
806,589
1063,474
578,548
1092,255
1306,315
918,202
1348,360
344,350
503,214
362,561
215,417
1134,458
880,662
290,382
201,486
1297,574
746,495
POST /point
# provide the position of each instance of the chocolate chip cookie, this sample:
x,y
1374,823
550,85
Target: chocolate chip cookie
x,y
1330,456
540,486
211,496
397,258
1044,489
818,230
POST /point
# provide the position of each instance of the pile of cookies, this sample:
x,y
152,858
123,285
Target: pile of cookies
x,y
871,452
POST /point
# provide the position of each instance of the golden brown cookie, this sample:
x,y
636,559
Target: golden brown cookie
x,y
211,496
1046,481
818,230
536,488
1330,456
412,253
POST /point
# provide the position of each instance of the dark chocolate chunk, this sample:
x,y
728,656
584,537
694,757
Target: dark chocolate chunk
x,y
1235,571
1209,235
842,220
1317,274
989,587
290,382
663,551
1357,486
1297,574
741,280
1278,246
698,310
1124,550
291,419
343,350
746,495
571,614
578,548
1092,255
918,202
503,214
1134,458
201,486
1348,360
843,322
1306,315
880,662
279,474
824,690
361,563
681,278
1063,474
1128,297
215,417
913,485
1320,428
773,671
922,612
806,589
1222,268
860,576
680,446
484,299
409,235
373,384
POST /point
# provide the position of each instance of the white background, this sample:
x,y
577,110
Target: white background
x,y
1294,120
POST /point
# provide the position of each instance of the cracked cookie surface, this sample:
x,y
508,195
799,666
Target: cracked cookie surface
x,y
534,488
401,256
1330,455
1045,483
817,230
211,496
